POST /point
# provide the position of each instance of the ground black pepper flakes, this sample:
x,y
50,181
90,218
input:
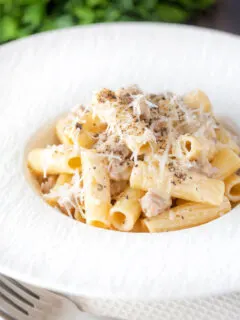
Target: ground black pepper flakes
x,y
78,126
125,99
99,187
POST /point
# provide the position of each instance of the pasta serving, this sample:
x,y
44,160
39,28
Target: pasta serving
x,y
131,161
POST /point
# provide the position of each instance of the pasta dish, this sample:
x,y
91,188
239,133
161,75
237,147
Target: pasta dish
x,y
132,161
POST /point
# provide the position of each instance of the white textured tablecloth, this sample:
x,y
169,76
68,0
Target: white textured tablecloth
x,y
225,307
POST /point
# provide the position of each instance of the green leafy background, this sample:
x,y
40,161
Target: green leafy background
x,y
19,18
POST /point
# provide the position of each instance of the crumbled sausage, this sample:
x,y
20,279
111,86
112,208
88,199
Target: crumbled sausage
x,y
48,184
111,144
131,91
119,170
117,187
153,204
105,95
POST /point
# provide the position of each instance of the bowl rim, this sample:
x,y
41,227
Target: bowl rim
x,y
176,248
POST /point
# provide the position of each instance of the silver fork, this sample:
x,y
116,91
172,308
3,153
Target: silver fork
x,y
23,302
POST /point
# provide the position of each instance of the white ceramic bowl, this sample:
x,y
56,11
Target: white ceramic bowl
x,y
45,75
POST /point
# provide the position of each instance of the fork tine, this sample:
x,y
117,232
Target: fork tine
x,y
17,293
4,295
34,292
26,292
10,309
18,304
24,288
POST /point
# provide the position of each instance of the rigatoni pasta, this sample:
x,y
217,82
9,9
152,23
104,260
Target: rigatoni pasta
x,y
69,133
227,139
54,161
126,210
232,191
226,162
146,176
53,193
96,190
138,162
198,99
190,146
201,189
186,216
193,187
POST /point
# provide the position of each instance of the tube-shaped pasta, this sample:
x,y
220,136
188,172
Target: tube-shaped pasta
x,y
224,137
139,226
227,162
198,188
209,148
126,210
50,161
198,99
146,177
61,180
195,187
77,215
186,216
181,201
141,144
92,123
232,188
190,146
235,204
68,134
96,189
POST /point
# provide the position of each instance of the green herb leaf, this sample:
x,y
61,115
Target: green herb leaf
x,y
95,3
84,14
8,28
64,21
23,32
150,4
33,15
52,23
112,14
127,5
19,18
170,13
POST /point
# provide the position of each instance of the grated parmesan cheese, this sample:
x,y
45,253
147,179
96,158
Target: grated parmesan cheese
x,y
69,195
